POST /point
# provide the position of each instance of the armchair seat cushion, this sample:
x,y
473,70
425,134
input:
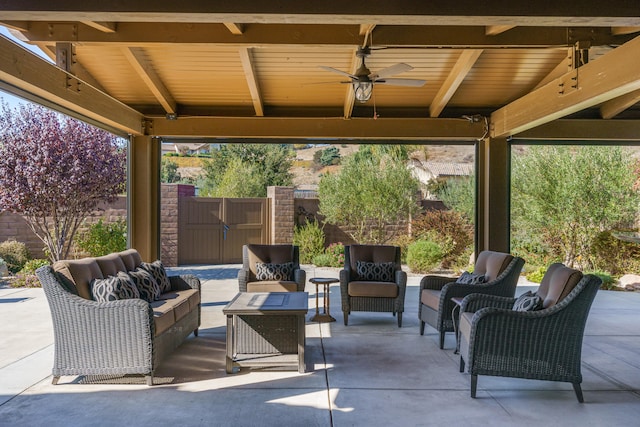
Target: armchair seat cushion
x,y
272,286
464,324
373,289
431,298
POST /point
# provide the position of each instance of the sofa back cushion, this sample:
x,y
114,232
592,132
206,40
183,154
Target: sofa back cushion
x,y
111,264
492,264
131,259
557,283
267,254
80,273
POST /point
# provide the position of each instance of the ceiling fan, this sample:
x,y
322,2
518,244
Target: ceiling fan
x,y
363,79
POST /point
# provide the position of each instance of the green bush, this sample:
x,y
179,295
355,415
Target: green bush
x,y
26,278
15,254
450,229
104,238
536,275
424,256
335,251
310,239
608,282
322,260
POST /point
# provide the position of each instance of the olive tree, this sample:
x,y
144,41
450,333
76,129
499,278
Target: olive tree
x,y
563,197
54,171
370,191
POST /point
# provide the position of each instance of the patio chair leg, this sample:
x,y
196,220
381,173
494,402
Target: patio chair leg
x,y
399,320
55,379
461,364
474,385
346,318
195,332
149,379
441,340
421,328
578,390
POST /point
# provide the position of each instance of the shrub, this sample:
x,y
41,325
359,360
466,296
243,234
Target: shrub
x,y
608,282
615,255
335,251
450,229
26,277
104,238
15,254
322,260
4,270
403,241
423,256
310,239
536,275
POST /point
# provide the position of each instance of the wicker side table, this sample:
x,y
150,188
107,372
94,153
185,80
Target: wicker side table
x,y
324,282
266,330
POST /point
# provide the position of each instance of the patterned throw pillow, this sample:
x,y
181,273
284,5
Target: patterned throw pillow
x,y
147,285
467,278
375,271
113,288
528,301
159,274
267,271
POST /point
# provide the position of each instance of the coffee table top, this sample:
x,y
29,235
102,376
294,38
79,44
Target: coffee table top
x,y
268,303
323,280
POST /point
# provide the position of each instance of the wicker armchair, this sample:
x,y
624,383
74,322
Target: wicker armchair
x,y
435,306
252,255
366,293
545,344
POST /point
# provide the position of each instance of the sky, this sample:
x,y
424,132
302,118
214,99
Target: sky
x,y
10,99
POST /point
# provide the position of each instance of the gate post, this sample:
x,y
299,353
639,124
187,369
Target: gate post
x,y
282,210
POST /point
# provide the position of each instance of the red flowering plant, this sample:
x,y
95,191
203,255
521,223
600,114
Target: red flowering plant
x,y
55,170
336,254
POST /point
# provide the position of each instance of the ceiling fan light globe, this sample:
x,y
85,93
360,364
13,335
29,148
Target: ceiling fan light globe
x,y
362,90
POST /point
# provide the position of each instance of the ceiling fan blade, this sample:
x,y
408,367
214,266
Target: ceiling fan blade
x,y
393,70
335,70
401,82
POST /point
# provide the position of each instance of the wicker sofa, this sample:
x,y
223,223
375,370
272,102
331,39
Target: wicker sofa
x,y
126,336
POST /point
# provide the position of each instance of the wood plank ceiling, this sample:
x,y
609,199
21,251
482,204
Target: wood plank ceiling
x,y
250,60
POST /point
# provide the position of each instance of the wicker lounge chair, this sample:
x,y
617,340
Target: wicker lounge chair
x,y
544,344
272,260
367,292
435,306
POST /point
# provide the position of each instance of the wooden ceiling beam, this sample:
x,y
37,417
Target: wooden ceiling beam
x,y
583,130
105,27
367,129
616,31
493,30
77,69
465,12
143,67
614,74
16,25
27,72
141,33
559,70
455,78
246,58
235,29
612,108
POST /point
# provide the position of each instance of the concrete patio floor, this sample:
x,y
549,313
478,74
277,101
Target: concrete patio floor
x,y
370,373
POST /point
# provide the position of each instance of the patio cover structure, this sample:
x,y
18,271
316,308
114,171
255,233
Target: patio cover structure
x,y
497,73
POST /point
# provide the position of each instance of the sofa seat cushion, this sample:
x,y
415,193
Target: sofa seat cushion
x,y
163,316
373,289
431,298
191,296
272,286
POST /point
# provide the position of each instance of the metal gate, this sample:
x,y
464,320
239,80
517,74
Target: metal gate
x,y
213,230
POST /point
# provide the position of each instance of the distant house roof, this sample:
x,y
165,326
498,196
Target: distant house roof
x,y
449,168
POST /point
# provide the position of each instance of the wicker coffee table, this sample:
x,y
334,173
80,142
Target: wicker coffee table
x,y
266,330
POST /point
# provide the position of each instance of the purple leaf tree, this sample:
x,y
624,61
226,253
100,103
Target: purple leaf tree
x,y
55,170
